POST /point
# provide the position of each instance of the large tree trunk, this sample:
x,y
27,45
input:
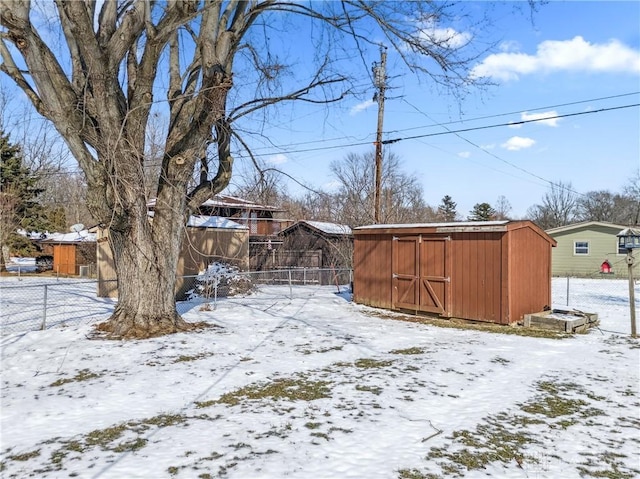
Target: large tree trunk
x,y
146,281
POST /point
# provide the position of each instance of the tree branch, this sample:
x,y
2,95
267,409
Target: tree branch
x,y
259,103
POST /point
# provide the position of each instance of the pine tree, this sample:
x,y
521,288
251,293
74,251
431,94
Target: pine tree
x,y
19,207
447,209
482,212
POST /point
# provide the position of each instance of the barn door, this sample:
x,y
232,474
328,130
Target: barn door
x,y
405,262
434,275
420,276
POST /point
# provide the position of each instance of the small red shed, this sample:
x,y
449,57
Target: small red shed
x,y
494,271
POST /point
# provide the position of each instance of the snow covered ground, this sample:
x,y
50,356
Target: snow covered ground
x,y
314,386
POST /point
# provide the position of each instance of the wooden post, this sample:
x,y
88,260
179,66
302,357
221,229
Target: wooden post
x,y
632,300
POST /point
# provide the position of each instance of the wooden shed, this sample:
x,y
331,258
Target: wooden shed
x,y
207,239
314,244
493,271
71,251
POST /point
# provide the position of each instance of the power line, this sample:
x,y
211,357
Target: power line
x,y
448,131
534,175
524,110
511,123
324,140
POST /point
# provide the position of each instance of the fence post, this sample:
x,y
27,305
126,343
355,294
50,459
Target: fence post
x,y
290,286
304,276
43,326
215,291
567,290
632,299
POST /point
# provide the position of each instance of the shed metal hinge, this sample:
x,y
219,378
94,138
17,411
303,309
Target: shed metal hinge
x,y
394,275
448,280
448,238
394,238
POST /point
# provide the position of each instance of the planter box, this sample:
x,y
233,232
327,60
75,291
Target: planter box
x,y
569,321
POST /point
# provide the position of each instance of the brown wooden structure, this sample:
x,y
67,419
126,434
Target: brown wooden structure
x,y
306,244
69,252
494,271
207,240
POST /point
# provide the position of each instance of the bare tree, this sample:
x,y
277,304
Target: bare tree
x,y
313,205
401,194
119,58
502,208
558,208
630,210
262,185
597,206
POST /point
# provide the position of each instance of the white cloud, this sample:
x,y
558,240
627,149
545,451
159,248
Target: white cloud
x,y
361,107
278,159
516,143
509,46
464,154
445,37
575,55
551,116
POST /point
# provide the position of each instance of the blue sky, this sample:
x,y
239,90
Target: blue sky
x,y
574,59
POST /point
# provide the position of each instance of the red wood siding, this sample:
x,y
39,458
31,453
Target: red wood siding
x,y
476,276
372,271
496,274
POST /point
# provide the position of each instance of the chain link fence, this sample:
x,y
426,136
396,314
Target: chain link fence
x,y
29,303
33,303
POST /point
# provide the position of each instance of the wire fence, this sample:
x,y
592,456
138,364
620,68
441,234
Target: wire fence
x,y
35,303
29,303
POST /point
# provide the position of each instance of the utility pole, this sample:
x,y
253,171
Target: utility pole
x,y
379,80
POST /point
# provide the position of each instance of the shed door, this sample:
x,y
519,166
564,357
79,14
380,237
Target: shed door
x,y
420,277
64,258
434,275
405,255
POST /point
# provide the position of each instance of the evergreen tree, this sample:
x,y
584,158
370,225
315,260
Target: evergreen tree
x,y
482,212
447,209
19,207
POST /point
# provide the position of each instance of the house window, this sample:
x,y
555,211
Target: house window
x,y
581,247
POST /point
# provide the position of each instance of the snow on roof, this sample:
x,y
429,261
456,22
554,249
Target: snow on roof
x,y
234,202
329,228
228,201
458,224
76,237
213,222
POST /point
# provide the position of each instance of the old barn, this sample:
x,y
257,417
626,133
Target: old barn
x,y
493,271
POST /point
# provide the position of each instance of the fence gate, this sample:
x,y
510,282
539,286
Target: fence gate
x,y
420,276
